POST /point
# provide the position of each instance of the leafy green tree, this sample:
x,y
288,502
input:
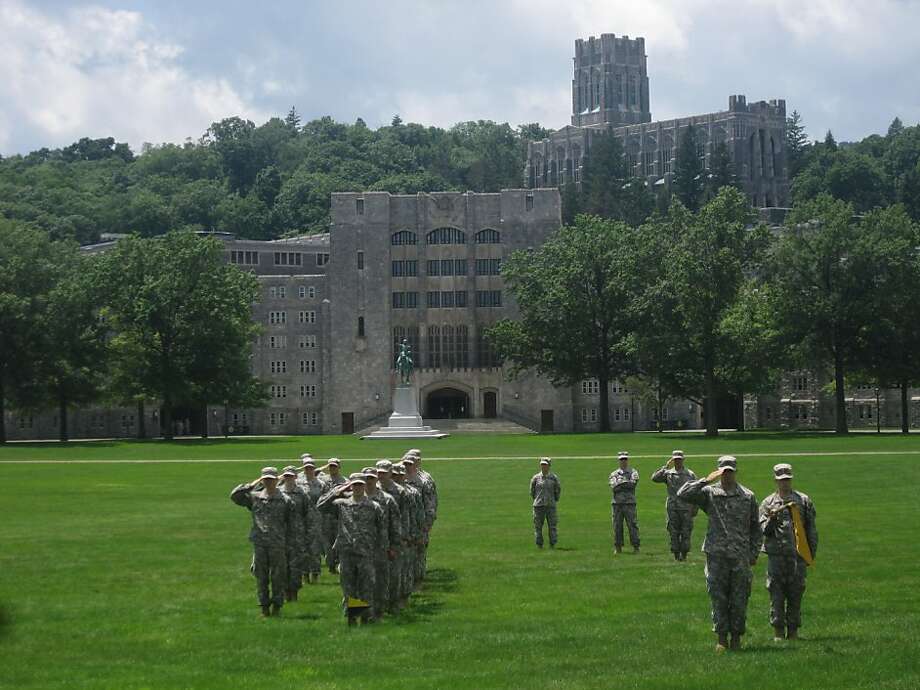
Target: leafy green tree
x,y
895,128
571,203
721,171
181,321
576,318
29,263
893,338
608,188
292,119
821,272
696,266
688,173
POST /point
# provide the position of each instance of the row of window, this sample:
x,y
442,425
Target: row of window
x,y
303,292
280,391
593,387
252,258
445,346
408,268
445,236
279,342
457,298
589,414
280,418
279,366
277,318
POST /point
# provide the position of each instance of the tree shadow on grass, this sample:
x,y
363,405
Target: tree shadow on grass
x,y
565,548
300,616
429,601
4,621
442,580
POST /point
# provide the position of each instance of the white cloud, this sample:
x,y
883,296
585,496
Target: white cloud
x,y
97,72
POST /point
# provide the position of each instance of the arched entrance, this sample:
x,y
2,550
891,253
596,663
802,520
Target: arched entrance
x,y
447,403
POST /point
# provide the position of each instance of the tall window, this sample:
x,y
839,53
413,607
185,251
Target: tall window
x,y
446,236
360,261
434,347
590,387
488,298
322,258
405,300
277,317
403,237
277,342
404,268
488,267
244,258
306,341
288,259
306,316
486,357
488,236
308,366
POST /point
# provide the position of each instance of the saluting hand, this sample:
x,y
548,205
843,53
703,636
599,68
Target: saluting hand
x,y
715,474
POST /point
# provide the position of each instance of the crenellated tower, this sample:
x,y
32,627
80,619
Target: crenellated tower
x,y
610,82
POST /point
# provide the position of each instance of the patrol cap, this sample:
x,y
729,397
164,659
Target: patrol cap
x,y
782,471
306,456
677,453
384,465
269,473
356,478
546,461
289,471
622,455
398,469
408,460
333,462
728,462
309,463
415,452
370,472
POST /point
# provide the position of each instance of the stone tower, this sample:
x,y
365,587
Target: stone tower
x,y
610,83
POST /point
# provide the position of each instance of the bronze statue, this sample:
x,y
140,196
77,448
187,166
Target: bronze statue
x,y
404,363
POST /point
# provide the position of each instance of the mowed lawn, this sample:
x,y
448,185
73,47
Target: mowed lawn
x,y
133,574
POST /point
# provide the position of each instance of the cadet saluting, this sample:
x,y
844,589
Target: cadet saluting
x,y
545,490
272,515
680,513
732,544
787,556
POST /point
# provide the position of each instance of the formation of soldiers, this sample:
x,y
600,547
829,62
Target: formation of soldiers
x,y
372,529
782,526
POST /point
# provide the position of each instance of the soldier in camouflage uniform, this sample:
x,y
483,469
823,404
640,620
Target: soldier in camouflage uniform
x,y
623,482
430,495
545,489
296,542
416,523
786,569
732,544
272,515
313,487
361,532
383,557
387,473
330,527
415,481
680,513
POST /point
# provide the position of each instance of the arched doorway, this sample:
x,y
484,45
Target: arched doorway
x,y
447,403
490,405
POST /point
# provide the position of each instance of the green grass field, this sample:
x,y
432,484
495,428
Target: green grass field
x,y
133,572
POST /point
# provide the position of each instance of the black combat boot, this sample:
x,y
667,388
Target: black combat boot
x,y
736,642
266,612
779,633
722,644
792,633
276,610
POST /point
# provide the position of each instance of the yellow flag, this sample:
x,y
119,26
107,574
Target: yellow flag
x,y
801,541
357,603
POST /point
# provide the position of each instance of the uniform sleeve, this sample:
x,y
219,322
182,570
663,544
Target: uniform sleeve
x,y
395,524
756,538
242,495
326,503
533,487
660,475
557,488
612,480
383,535
768,523
694,492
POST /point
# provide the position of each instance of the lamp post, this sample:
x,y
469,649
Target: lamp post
x,y
632,413
878,420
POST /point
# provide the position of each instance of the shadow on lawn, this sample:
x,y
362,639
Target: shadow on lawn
x,y
4,621
429,602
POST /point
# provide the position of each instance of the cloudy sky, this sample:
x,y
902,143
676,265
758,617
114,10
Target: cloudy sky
x,y
163,70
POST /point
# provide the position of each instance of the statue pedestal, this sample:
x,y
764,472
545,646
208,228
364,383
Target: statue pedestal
x,y
405,422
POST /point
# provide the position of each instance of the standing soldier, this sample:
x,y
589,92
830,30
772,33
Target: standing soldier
x,y
332,480
360,533
300,526
313,487
545,490
424,491
623,482
272,514
430,496
407,516
787,557
384,556
732,543
394,573
416,522
680,513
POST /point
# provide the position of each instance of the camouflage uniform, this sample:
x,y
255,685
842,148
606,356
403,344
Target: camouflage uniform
x,y
391,519
623,505
732,543
416,536
545,492
361,532
680,513
430,496
330,522
314,539
398,576
301,526
786,570
425,491
272,515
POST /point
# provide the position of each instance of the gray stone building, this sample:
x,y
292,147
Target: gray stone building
x,y
610,94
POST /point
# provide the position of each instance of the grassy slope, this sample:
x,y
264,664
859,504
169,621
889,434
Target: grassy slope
x,y
122,575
